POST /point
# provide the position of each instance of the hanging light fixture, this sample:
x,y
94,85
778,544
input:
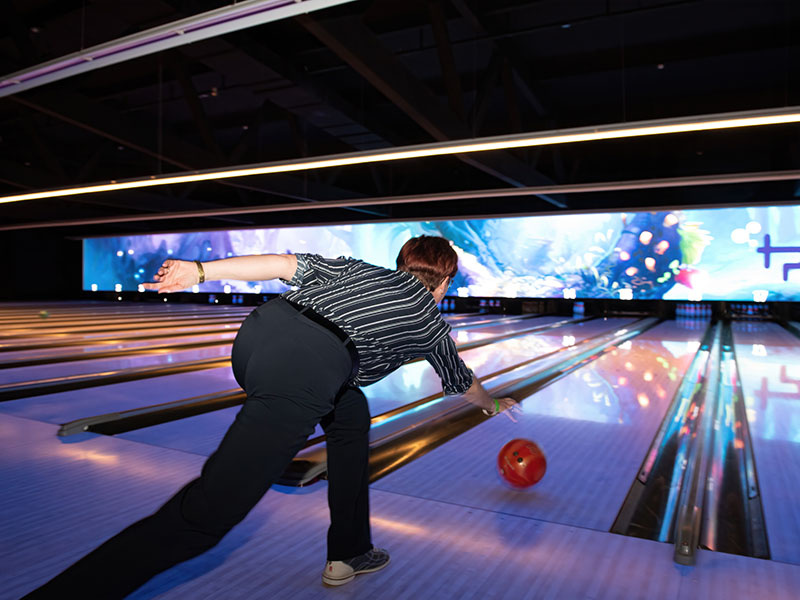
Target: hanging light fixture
x,y
525,140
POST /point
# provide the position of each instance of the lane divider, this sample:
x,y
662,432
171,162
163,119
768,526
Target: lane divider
x,y
120,422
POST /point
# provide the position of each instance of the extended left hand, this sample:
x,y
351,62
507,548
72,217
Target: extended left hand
x,y
174,276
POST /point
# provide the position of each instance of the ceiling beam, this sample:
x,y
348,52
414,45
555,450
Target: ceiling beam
x,y
512,106
516,69
95,118
177,65
648,54
27,177
509,51
358,47
447,62
45,151
206,25
320,105
483,93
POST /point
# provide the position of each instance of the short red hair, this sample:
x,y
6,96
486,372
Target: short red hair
x,y
430,259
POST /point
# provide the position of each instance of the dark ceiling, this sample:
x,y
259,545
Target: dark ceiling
x,y
381,73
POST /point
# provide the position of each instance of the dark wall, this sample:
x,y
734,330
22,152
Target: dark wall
x,y
39,265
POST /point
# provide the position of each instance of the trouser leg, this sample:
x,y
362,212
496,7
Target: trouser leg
x,y
254,453
291,382
347,432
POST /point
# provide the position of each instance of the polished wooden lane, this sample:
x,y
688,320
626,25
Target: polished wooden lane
x,y
595,426
66,498
203,433
121,347
769,365
61,497
149,358
66,406
149,354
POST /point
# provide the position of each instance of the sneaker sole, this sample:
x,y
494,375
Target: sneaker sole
x,y
342,580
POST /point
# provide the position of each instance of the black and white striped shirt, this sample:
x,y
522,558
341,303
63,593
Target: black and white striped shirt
x,y
390,316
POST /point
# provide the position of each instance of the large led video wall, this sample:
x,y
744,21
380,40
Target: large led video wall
x,y
743,253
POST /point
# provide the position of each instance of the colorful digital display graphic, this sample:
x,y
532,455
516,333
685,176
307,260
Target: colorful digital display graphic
x,y
743,253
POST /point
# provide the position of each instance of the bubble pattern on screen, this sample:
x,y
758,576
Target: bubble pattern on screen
x,y
742,253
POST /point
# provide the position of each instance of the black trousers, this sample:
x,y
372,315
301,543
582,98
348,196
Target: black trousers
x,y
294,372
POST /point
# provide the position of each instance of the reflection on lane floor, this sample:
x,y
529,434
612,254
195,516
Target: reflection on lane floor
x,y
411,382
82,361
594,425
68,406
463,336
621,383
152,358
768,358
111,337
89,351
418,380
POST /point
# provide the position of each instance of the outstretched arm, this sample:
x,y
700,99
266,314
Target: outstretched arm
x,y
176,275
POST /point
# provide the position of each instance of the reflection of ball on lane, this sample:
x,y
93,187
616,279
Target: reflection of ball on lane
x,y
44,314
521,463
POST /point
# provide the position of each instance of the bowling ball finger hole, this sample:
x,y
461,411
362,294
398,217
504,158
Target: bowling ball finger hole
x,y
521,464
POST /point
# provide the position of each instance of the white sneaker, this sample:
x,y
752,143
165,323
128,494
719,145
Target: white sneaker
x,y
339,572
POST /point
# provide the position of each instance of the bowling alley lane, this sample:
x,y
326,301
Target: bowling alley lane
x,y
112,336
46,341
63,499
62,407
66,406
465,333
594,425
87,314
202,433
59,500
51,319
768,358
418,380
224,333
98,330
463,318
153,358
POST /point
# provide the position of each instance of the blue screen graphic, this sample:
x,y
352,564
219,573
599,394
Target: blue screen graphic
x,y
743,253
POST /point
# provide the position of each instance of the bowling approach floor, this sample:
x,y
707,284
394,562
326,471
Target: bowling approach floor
x,y
453,530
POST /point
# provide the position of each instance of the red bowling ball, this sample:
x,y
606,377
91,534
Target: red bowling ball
x,y
521,463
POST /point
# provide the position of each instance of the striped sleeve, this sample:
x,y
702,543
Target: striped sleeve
x,y
456,377
315,269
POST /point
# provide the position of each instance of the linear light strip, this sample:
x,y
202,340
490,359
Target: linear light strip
x,y
177,33
547,138
608,186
